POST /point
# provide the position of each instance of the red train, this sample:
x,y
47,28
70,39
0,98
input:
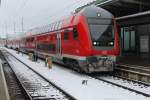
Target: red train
x,y
87,41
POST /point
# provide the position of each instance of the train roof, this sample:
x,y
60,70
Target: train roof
x,y
89,11
94,11
46,28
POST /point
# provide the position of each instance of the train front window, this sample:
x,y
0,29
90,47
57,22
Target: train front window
x,y
102,32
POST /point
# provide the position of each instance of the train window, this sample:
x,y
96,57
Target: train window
x,y
27,40
46,47
39,46
66,35
51,47
75,33
32,40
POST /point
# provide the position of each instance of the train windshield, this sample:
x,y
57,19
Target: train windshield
x,y
102,32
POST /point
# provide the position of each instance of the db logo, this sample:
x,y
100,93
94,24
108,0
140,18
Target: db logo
x,y
104,52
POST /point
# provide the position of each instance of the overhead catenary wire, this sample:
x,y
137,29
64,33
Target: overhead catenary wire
x,y
60,11
25,3
21,8
68,7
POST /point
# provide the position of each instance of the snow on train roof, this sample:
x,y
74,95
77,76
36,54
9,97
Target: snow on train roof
x,y
44,29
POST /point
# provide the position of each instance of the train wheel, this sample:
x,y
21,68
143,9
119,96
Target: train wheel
x,y
73,64
76,66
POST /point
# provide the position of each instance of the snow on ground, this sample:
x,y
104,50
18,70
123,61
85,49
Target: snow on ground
x,y
71,82
130,84
43,89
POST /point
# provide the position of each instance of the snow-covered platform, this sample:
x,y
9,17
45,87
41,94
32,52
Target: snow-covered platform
x,y
72,82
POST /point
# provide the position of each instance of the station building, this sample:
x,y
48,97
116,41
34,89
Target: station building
x,y
133,17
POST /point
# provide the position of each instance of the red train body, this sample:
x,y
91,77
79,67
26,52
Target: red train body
x,y
87,40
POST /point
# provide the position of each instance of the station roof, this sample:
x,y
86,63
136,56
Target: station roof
x,y
123,10
124,7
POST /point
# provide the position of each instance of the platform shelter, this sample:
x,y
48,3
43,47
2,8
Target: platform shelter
x,y
133,17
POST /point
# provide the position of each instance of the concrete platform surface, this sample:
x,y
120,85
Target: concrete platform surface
x,y
4,95
135,60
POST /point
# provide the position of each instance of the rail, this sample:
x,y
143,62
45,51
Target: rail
x,y
122,86
67,95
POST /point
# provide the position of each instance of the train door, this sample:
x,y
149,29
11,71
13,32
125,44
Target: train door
x,y
58,45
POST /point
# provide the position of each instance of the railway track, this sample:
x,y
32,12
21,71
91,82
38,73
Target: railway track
x,y
135,73
138,75
125,85
36,86
15,90
132,89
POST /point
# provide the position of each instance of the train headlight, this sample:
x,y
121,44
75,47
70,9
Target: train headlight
x,y
94,43
111,43
98,14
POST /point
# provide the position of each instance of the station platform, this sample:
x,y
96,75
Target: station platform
x,y
131,59
4,95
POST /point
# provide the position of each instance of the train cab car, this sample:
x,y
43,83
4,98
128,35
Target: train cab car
x,y
95,41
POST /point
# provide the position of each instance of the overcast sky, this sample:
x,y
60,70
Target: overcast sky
x,y
34,12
